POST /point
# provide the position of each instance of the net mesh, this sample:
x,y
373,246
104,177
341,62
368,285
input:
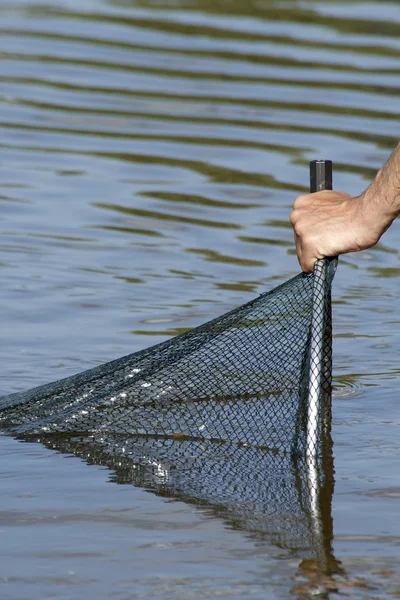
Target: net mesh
x,y
257,376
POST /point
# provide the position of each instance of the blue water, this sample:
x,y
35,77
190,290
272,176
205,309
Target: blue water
x,y
150,155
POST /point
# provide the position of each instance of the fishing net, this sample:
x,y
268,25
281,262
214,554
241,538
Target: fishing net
x,y
258,376
233,415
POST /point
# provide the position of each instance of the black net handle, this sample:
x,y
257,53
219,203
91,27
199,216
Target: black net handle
x,y
320,179
320,175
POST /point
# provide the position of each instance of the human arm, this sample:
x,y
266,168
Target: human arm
x,y
330,223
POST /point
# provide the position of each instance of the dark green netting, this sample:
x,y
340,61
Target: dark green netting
x,y
233,415
258,375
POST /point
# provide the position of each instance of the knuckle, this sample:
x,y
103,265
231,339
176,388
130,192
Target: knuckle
x,y
298,228
300,201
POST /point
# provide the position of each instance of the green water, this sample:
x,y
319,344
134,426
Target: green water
x,y
150,153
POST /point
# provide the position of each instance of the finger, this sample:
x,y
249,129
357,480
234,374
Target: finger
x,y
308,260
298,247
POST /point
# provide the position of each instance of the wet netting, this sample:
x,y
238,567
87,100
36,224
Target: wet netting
x,y
233,415
259,375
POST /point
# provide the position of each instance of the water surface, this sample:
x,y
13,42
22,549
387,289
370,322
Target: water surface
x,y
150,154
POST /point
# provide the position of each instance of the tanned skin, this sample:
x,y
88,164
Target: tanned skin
x,y
330,223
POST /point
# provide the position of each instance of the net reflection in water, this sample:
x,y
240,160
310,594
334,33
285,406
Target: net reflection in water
x,y
252,489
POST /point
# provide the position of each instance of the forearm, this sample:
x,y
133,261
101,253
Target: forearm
x,y
331,223
382,197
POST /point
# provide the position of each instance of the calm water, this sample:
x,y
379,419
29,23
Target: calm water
x,y
150,154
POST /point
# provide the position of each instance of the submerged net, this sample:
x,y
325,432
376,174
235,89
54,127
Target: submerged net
x,y
259,375
233,415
